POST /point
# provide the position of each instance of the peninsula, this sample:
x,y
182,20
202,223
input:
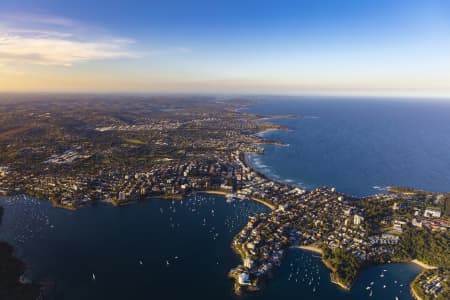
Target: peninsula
x,y
81,149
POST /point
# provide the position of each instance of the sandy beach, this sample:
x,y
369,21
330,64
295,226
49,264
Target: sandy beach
x,y
222,193
423,265
262,133
215,192
265,203
311,248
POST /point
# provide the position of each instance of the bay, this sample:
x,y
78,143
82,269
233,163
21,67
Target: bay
x,y
161,249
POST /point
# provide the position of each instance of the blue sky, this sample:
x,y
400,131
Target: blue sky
x,y
283,47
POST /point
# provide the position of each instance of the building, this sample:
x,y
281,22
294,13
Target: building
x,y
122,196
432,213
358,219
248,263
243,279
398,225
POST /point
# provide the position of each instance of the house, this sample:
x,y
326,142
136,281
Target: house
x,y
358,219
432,213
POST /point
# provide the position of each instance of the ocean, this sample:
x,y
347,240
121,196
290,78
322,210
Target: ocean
x,y
359,146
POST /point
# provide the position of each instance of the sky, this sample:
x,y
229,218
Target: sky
x,y
336,47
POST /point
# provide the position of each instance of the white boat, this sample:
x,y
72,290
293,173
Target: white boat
x,y
141,263
93,276
167,263
230,198
371,291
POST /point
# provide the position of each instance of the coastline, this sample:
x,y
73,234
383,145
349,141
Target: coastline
x,y
223,193
423,265
263,202
263,132
333,278
313,248
413,291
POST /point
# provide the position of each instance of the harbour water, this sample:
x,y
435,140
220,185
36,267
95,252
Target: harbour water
x,y
163,249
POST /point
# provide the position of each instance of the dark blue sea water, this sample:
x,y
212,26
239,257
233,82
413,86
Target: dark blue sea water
x,y
359,146
159,249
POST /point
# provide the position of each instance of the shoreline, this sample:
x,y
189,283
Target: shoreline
x,y
413,291
423,265
261,133
263,202
223,193
313,248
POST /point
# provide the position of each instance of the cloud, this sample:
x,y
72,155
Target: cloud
x,y
58,51
51,40
36,19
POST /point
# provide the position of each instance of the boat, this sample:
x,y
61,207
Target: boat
x,y
167,263
230,198
93,276
371,291
367,287
141,263
384,286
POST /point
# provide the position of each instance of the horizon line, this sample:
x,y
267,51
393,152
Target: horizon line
x,y
410,96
